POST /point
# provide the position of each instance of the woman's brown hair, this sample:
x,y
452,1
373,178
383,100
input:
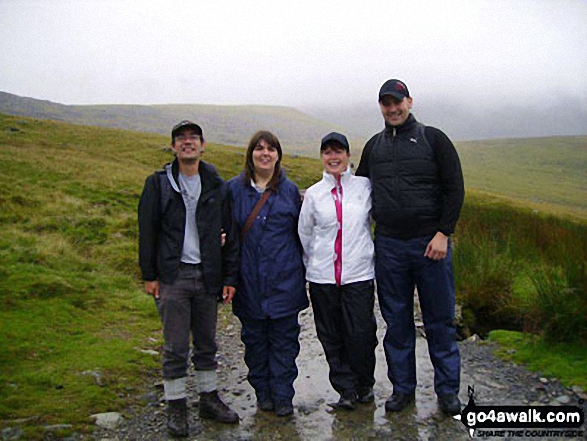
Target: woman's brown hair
x,y
272,140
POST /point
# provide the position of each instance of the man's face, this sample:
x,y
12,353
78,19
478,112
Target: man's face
x,y
187,145
395,111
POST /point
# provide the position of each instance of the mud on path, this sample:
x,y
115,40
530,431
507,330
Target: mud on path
x,y
495,382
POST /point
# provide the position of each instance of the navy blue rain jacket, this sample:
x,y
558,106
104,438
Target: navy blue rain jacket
x,y
272,276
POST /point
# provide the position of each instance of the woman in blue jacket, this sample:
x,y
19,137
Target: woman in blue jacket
x,y
272,287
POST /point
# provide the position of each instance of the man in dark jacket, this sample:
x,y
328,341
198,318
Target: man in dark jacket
x,y
188,255
418,193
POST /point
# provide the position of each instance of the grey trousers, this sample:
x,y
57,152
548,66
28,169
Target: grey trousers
x,y
185,306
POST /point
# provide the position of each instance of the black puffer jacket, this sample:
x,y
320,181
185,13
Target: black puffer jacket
x,y
416,179
161,234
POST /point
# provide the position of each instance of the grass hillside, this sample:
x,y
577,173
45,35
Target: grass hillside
x,y
549,174
78,332
230,125
74,316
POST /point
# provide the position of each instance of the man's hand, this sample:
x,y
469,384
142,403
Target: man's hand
x,y
152,288
437,247
228,294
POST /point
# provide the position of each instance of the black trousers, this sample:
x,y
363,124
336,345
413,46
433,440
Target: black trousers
x,y
346,328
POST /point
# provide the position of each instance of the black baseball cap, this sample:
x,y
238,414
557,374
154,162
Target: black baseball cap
x,y
185,124
395,88
336,138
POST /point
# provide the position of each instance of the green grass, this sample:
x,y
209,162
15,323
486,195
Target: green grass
x,y
565,361
73,305
547,174
521,270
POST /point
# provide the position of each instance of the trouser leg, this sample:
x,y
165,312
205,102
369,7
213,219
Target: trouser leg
x,y
204,314
185,306
254,335
435,283
330,328
284,347
174,306
395,291
360,333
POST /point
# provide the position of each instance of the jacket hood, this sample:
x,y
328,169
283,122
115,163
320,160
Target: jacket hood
x,y
248,183
345,176
208,174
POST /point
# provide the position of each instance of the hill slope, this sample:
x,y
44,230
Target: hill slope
x,y
549,174
230,125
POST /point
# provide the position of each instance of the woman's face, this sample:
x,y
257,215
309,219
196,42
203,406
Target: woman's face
x,y
264,157
335,159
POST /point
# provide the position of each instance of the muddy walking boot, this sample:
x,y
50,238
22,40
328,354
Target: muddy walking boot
x,y
450,404
177,418
213,408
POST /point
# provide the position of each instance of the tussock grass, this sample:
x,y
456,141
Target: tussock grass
x,y
521,270
74,314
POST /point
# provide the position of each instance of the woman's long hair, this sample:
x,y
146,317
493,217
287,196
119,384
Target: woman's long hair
x,y
249,171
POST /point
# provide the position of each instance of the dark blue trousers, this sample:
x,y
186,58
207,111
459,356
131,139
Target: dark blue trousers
x,y
400,267
271,349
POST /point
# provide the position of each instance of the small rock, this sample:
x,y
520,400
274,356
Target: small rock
x,y
107,420
544,380
149,352
563,399
577,389
12,433
511,351
473,338
97,376
55,427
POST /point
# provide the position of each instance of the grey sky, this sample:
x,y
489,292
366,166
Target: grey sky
x,y
292,53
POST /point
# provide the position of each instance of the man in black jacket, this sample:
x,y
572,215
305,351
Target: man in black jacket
x,y
418,192
188,255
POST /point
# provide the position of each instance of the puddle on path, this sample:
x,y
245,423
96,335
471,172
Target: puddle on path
x,y
313,418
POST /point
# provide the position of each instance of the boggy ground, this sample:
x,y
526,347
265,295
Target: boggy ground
x,y
495,382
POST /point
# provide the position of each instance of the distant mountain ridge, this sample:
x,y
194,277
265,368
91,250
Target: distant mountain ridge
x,y
230,125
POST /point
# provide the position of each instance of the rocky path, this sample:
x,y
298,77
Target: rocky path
x,y
495,382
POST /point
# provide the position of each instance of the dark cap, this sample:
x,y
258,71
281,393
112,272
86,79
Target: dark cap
x,y
395,88
186,124
335,138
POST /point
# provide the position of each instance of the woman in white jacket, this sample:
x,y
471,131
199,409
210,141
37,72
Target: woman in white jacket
x,y
335,231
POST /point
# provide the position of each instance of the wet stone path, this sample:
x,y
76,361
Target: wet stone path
x,y
495,382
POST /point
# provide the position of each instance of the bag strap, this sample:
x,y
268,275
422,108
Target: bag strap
x,y
255,213
165,188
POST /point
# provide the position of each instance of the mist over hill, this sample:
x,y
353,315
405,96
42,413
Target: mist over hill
x,y
566,116
228,125
301,130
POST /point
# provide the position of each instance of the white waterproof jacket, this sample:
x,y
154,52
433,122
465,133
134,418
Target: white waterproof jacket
x,y
318,227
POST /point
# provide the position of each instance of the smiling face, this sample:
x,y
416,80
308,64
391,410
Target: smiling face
x,y
335,159
264,157
395,111
188,145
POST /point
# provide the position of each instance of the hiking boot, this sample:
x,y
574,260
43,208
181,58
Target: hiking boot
x,y
265,402
365,395
398,401
346,401
213,408
450,404
283,408
177,418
